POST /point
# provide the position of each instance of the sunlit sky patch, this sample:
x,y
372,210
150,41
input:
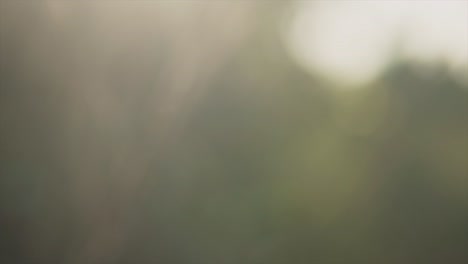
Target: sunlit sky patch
x,y
351,42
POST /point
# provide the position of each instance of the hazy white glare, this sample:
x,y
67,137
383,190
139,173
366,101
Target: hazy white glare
x,y
351,42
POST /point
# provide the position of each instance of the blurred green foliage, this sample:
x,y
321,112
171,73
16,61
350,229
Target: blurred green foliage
x,y
271,165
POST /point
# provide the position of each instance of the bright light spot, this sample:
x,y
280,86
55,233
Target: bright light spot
x,y
351,42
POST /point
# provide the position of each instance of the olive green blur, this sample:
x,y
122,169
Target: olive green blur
x,y
182,132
